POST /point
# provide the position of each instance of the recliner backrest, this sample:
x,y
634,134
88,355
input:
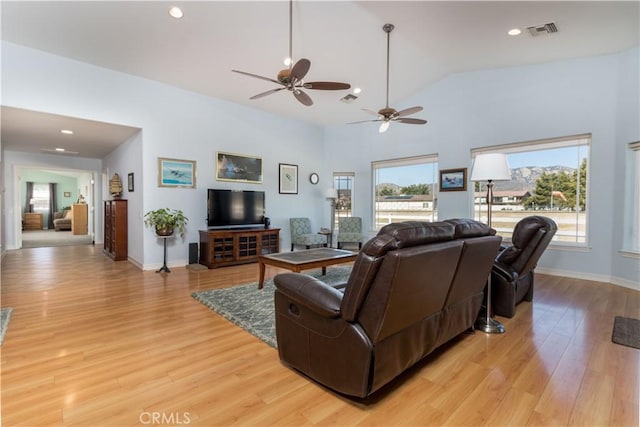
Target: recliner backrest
x,y
480,248
530,238
391,237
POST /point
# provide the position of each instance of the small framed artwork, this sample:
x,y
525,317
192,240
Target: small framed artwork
x,y
453,179
67,194
239,168
130,182
176,173
288,179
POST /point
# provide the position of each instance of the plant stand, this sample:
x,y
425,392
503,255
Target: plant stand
x,y
164,263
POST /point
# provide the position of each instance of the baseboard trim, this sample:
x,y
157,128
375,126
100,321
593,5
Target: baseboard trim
x,y
618,281
170,264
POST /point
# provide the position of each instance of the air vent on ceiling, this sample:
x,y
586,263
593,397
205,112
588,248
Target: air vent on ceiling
x,y
538,30
348,98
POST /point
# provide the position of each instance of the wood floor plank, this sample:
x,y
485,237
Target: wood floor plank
x,y
94,342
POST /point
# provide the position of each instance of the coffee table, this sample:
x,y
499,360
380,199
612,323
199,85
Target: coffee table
x,y
304,260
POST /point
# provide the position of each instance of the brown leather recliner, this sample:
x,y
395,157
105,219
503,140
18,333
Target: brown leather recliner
x,y
413,287
512,274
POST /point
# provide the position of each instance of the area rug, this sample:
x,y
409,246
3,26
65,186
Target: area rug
x,y
5,316
252,308
626,331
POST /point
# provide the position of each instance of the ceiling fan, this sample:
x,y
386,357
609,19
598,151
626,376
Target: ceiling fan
x,y
291,78
387,114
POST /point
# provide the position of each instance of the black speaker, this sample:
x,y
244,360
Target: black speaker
x,y
193,253
267,222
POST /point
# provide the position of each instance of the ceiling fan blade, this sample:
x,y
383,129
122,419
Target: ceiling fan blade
x,y
269,92
257,76
410,121
364,121
370,112
300,69
302,97
326,85
408,111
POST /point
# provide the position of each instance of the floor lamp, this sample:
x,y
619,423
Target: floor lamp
x,y
332,195
490,167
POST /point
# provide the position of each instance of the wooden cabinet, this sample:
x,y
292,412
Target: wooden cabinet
x,y
219,248
79,218
32,221
115,229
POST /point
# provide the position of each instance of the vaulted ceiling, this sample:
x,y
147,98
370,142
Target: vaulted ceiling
x,y
343,39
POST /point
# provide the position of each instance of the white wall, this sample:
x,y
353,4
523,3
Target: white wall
x,y
465,111
625,267
500,106
177,124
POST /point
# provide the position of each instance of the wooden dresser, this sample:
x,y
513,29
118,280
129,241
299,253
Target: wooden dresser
x,y
79,218
32,221
115,229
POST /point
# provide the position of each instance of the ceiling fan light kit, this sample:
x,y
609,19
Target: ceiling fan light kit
x,y
387,114
291,78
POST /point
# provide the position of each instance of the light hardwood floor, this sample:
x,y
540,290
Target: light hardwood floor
x,y
99,343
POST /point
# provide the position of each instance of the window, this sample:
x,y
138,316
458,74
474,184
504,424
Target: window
x,y
548,177
40,199
631,240
343,183
404,190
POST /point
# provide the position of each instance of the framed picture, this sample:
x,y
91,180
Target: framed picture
x,y
130,182
453,179
176,173
67,194
288,179
239,168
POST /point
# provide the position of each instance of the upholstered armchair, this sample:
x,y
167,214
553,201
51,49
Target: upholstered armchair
x,y
350,231
301,234
512,274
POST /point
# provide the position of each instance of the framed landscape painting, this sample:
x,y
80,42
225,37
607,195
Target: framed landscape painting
x,y
239,168
176,173
453,179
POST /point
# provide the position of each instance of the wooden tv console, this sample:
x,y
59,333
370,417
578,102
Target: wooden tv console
x,y
219,248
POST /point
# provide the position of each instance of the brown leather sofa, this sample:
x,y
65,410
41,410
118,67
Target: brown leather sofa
x,y
512,275
413,287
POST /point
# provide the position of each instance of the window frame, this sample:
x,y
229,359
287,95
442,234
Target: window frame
x,y
432,159
631,220
337,178
580,140
41,204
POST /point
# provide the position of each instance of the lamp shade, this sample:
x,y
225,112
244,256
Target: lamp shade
x,y
490,166
331,193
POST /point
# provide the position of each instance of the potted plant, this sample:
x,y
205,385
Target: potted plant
x,y
166,221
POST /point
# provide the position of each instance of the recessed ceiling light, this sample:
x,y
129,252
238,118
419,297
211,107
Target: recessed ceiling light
x,y
357,90
287,61
514,32
67,131
60,149
176,12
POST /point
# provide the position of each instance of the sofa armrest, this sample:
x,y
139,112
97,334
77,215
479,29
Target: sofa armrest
x,y
506,272
311,293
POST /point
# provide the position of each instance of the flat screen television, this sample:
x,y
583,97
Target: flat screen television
x,y
234,209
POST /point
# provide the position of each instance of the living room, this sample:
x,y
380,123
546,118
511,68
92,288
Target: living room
x,y
466,110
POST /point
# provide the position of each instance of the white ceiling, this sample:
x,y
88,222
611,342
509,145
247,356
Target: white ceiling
x,y
343,39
